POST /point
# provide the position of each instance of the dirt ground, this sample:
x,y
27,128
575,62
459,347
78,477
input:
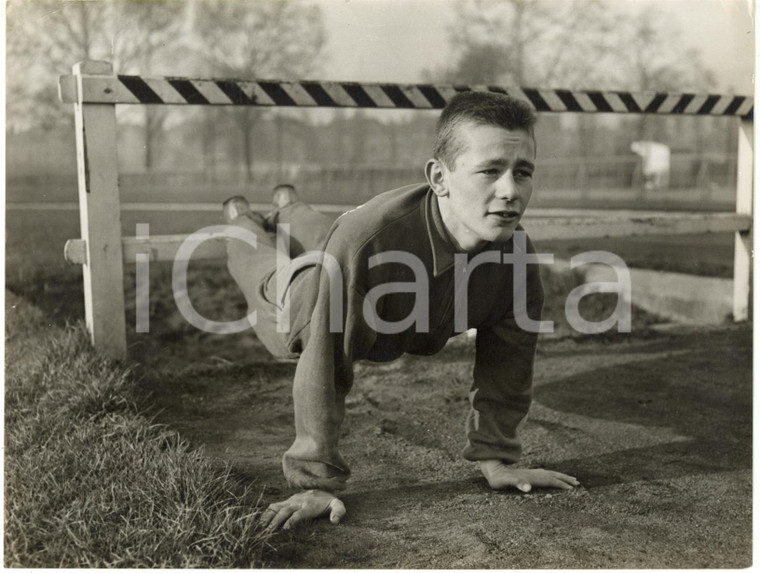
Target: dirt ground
x,y
656,426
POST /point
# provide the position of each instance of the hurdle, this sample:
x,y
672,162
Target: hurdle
x,y
95,90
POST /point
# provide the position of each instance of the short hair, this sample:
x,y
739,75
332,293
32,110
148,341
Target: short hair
x,y
482,108
283,186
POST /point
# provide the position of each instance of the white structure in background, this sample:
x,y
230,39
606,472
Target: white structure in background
x,y
655,163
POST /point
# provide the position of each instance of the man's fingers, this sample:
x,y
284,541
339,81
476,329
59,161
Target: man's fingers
x,y
337,511
280,517
541,478
268,515
557,480
566,478
525,480
559,484
294,520
548,481
519,482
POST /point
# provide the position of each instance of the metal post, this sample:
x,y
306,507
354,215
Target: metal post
x,y
743,240
100,217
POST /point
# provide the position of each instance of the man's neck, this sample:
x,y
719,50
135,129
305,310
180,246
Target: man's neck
x,y
463,240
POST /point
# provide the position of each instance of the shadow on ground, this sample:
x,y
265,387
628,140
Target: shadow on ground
x,y
657,428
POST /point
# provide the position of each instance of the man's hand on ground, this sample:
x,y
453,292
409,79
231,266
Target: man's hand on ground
x,y
303,506
501,476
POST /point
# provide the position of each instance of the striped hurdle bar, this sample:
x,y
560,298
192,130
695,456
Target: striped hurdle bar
x,y
94,91
177,91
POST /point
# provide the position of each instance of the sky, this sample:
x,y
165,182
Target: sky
x,y
394,40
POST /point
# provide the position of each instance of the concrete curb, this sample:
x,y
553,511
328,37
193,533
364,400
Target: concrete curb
x,y
680,297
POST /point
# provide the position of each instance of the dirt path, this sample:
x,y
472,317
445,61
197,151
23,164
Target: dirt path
x,y
657,428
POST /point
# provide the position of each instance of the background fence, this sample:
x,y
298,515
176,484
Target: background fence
x,y
696,181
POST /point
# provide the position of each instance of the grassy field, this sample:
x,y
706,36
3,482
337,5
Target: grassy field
x,y
91,481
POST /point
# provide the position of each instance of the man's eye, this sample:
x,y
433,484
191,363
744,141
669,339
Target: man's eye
x,y
490,171
524,173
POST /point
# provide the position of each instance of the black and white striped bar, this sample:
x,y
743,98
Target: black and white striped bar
x,y
139,90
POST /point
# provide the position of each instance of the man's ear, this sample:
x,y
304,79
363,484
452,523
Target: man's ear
x,y
434,172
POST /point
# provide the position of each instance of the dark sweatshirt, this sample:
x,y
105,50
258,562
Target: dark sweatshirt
x,y
405,220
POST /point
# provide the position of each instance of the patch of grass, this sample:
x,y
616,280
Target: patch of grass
x,y
91,482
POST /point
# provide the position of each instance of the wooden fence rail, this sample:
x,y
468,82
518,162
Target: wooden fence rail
x,y
102,251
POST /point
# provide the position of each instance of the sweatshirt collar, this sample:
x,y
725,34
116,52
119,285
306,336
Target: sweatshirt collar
x,y
440,244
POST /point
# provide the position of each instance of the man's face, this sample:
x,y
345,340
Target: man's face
x,y
489,186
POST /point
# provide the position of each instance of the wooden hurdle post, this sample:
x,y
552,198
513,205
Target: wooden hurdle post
x,y
743,239
100,216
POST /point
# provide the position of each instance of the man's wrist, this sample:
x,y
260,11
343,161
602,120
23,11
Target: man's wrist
x,y
315,491
488,466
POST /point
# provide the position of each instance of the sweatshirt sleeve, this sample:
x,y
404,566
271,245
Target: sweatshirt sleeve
x,y
502,388
324,376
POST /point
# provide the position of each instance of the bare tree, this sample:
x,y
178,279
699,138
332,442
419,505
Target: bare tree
x,y
530,43
46,37
145,39
574,44
260,39
658,62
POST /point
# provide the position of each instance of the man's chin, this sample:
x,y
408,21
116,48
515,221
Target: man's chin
x,y
502,234
506,234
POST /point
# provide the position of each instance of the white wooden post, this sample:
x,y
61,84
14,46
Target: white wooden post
x,y
100,217
743,240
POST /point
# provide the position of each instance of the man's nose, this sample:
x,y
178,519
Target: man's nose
x,y
506,188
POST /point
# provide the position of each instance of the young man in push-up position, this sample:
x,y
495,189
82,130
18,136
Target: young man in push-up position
x,y
451,238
